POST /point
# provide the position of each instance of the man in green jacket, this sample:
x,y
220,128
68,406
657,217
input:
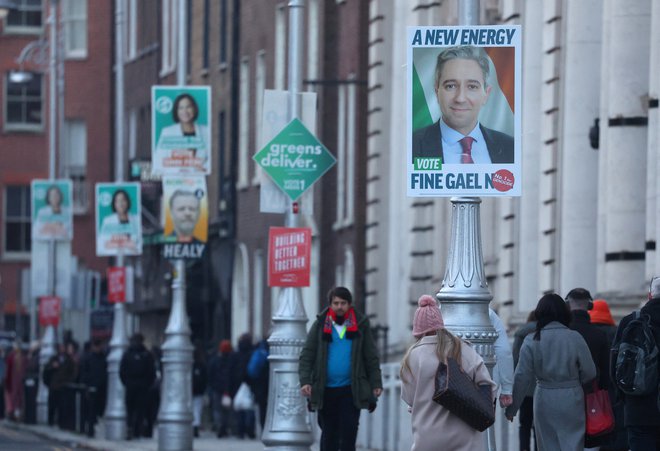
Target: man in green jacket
x,y
339,370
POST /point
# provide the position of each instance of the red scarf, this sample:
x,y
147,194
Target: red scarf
x,y
350,321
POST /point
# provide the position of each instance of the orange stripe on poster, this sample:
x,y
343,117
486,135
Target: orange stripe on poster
x,y
504,59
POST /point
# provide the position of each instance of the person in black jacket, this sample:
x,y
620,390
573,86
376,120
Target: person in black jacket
x,y
220,371
245,419
94,374
580,302
137,372
642,413
258,375
198,387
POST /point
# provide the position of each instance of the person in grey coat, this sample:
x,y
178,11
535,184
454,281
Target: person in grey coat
x,y
558,359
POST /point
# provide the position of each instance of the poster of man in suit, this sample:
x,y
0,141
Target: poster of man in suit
x,y
464,118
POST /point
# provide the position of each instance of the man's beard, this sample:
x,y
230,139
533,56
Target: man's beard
x,y
340,319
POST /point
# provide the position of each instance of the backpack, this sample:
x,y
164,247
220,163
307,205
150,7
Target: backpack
x,y
636,369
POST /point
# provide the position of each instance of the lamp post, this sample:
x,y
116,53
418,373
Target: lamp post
x,y
287,426
175,414
115,413
464,293
43,54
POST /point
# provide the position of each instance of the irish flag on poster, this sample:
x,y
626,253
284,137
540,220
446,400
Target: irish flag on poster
x,y
480,100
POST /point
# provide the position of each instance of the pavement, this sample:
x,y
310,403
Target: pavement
x,y
206,442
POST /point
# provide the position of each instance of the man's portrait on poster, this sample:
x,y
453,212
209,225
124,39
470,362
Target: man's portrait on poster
x,y
462,90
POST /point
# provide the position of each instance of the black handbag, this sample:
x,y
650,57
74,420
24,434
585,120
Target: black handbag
x,y
458,393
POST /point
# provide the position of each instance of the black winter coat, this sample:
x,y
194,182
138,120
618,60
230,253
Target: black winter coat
x,y
137,370
597,342
642,410
199,378
220,371
94,370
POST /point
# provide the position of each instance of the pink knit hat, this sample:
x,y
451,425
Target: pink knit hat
x,y
427,317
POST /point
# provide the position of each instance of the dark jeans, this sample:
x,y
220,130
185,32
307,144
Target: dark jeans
x,y
245,422
643,438
137,403
339,420
54,410
526,424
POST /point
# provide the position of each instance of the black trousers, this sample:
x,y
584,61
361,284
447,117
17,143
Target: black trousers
x,y
526,424
339,420
643,438
136,412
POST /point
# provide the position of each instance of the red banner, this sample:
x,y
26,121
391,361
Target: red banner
x,y
116,276
49,310
289,251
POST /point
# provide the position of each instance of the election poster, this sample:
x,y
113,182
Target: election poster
x,y
289,252
464,115
49,310
52,217
118,219
185,208
116,278
181,132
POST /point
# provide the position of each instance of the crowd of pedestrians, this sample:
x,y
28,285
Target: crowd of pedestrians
x,y
568,350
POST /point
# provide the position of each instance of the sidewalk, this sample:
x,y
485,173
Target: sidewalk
x,y
206,442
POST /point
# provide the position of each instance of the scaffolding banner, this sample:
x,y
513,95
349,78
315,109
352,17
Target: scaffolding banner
x,y
464,115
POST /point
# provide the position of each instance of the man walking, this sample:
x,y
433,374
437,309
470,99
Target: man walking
x,y
137,372
642,412
339,370
580,302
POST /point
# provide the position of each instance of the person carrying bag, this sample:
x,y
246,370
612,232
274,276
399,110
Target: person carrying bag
x,y
435,426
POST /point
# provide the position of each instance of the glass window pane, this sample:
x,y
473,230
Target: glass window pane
x,y
13,199
13,241
33,112
14,113
33,87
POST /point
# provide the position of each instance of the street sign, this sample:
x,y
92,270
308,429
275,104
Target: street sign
x,y
116,276
294,159
49,310
289,251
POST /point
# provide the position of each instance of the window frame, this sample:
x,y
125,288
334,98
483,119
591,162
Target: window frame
x,y
67,22
22,126
24,29
27,220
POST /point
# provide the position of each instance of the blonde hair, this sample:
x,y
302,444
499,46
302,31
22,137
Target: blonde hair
x,y
449,345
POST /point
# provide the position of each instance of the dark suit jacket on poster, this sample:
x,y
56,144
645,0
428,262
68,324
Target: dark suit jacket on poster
x,y
427,142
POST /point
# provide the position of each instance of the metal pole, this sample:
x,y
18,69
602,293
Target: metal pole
x,y
115,412
287,424
48,340
464,294
175,414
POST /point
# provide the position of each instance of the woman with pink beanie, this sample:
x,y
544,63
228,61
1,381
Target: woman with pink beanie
x,y
435,427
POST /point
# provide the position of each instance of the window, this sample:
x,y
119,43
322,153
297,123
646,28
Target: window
x,y
17,227
345,154
260,86
280,46
131,30
169,38
75,146
24,103
223,32
205,43
244,123
74,19
26,18
313,43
